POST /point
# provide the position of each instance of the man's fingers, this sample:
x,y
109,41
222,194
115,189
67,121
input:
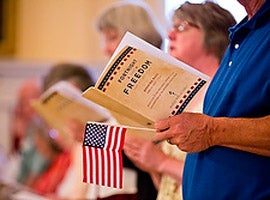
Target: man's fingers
x,y
164,135
162,125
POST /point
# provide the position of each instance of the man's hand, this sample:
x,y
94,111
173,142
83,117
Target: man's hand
x,y
191,132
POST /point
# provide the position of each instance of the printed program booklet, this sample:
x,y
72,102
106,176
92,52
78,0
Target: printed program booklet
x,y
63,102
142,84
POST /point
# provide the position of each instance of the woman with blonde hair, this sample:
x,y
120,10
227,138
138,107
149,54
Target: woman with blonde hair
x,y
112,24
125,16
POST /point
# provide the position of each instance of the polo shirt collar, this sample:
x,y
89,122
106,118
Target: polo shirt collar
x,y
261,17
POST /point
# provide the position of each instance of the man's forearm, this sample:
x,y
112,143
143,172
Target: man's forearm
x,y
246,134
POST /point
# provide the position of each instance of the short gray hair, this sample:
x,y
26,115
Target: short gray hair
x,y
131,17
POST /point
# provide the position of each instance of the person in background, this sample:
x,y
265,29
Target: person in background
x,y
62,178
44,184
76,74
23,112
120,17
30,162
229,144
112,24
199,37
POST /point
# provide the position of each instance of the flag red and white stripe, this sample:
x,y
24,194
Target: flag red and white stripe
x,y
102,154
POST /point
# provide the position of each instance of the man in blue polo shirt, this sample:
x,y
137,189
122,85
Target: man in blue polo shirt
x,y
229,145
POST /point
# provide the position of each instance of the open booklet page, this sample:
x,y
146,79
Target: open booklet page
x,y
142,84
63,102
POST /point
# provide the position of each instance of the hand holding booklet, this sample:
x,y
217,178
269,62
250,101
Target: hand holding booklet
x,y
142,84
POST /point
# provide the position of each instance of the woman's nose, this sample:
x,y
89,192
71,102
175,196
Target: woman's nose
x,y
107,50
171,34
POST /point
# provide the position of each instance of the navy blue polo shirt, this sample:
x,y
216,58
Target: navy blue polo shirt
x,y
241,88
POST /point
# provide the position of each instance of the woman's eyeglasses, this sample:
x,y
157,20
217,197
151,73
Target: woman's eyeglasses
x,y
184,25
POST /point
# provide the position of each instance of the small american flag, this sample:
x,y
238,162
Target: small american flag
x,y
102,154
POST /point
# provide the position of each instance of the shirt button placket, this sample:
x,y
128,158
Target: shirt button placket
x,y
236,46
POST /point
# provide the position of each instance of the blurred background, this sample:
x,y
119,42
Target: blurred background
x,y
34,34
